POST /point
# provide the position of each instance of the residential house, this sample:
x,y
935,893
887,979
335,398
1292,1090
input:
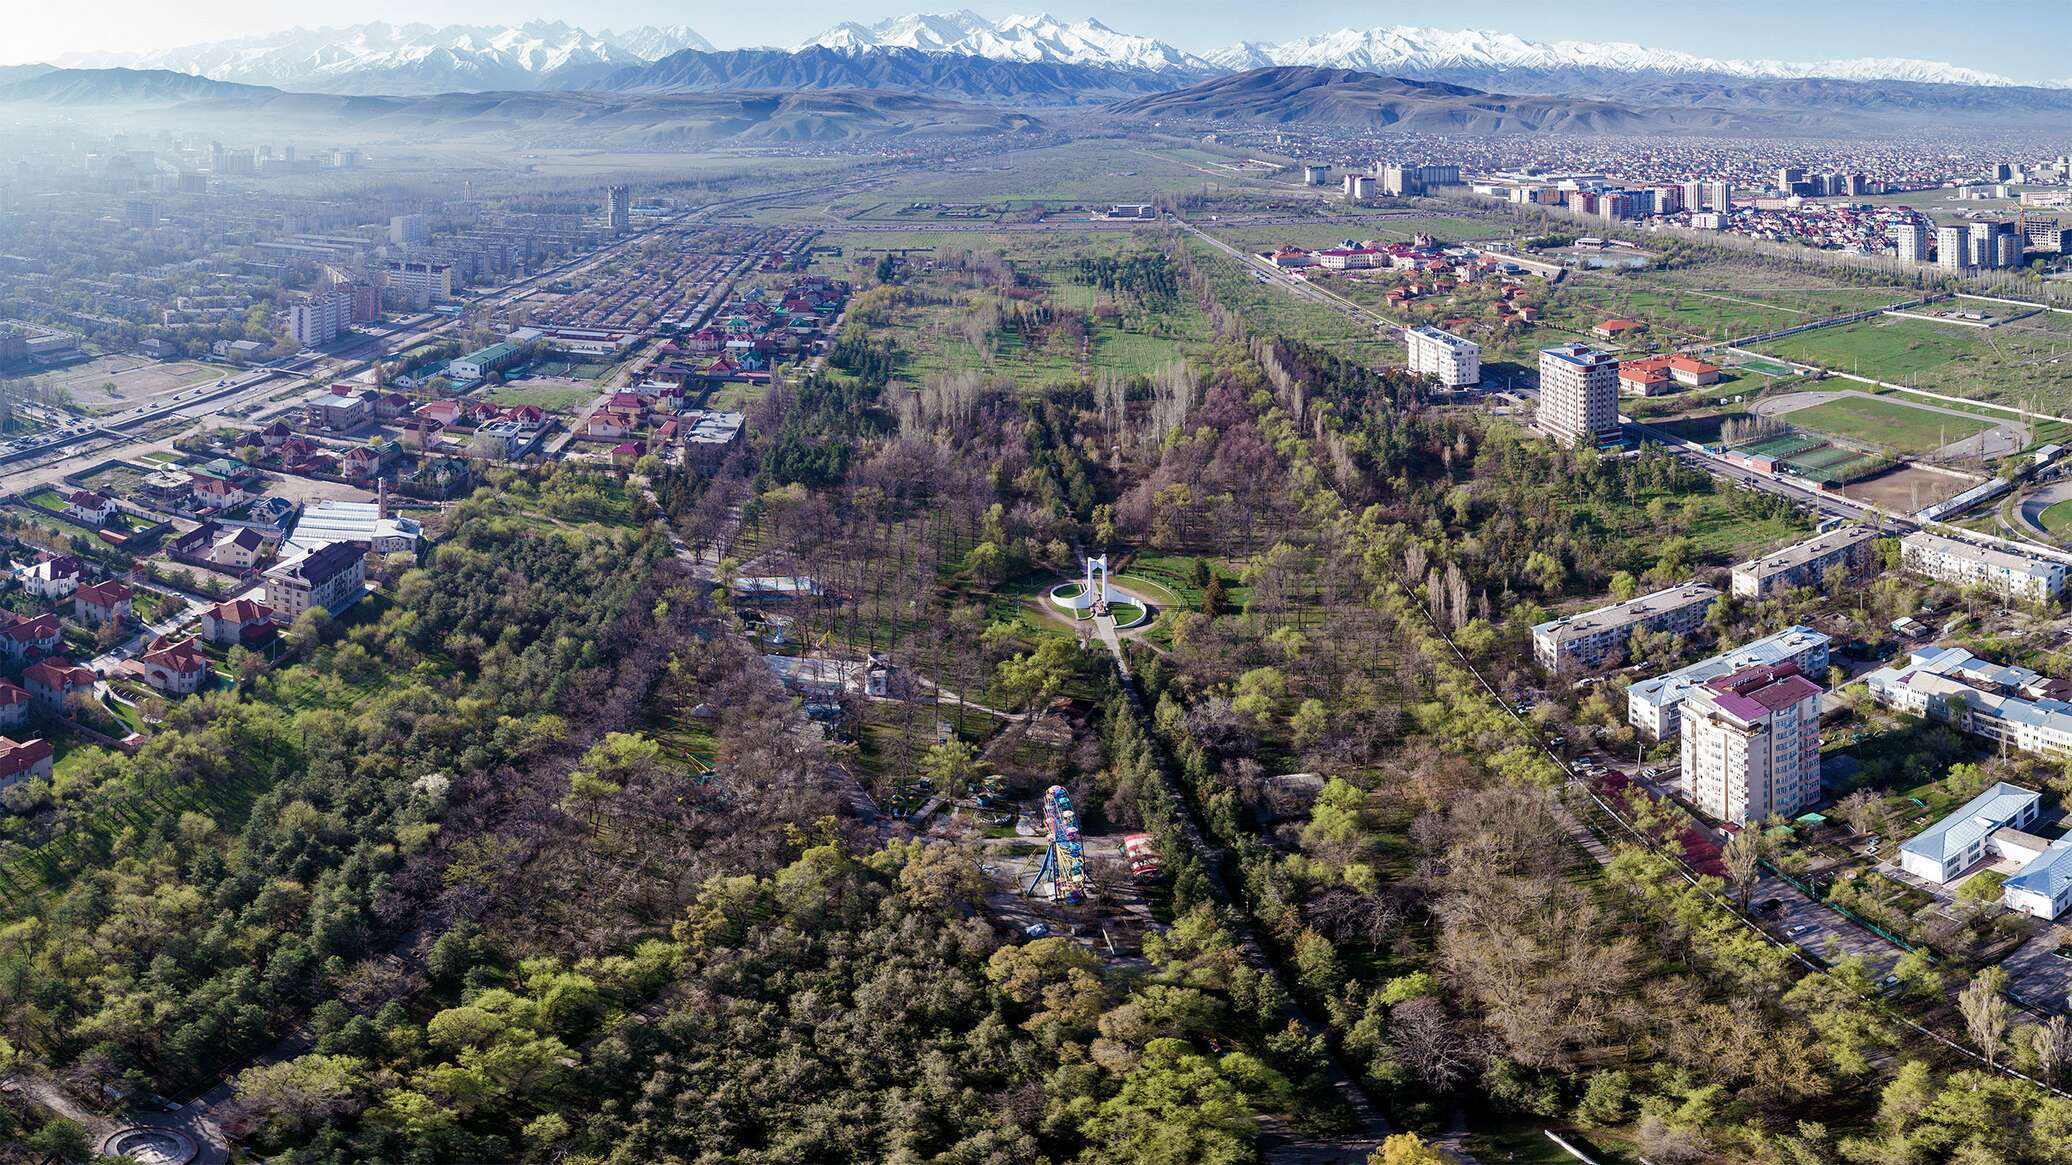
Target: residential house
x,y
14,705
51,576
241,548
103,602
88,507
56,684
22,760
239,622
1618,329
26,637
175,667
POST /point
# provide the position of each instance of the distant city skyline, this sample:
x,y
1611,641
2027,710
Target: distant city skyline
x,y
1975,36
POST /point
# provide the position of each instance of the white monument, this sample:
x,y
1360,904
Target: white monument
x,y
1100,596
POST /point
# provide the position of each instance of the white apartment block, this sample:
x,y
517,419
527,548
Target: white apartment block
x,y
1952,249
2012,706
1806,563
2004,572
1585,640
1655,706
1751,745
1579,394
1457,363
1911,240
320,318
418,284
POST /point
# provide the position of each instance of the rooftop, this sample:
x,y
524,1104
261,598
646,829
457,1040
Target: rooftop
x,y
1800,553
1428,332
1627,613
1580,355
1990,556
331,520
1771,649
1979,817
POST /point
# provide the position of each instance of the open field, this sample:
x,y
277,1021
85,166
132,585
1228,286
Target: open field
x,y
554,394
1905,489
2025,362
2058,518
1884,421
134,379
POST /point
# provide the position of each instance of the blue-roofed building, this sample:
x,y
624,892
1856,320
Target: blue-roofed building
x,y
2043,887
1963,839
2009,705
1651,705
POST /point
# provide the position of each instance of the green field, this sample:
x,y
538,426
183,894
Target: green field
x,y
2057,519
555,398
1885,422
2027,362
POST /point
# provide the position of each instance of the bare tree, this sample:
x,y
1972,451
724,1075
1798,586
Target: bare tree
x,y
1986,1011
1742,856
2052,1043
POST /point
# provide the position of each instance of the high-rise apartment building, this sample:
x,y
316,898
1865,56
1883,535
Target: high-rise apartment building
x,y
1457,363
1952,249
618,210
417,284
1751,744
1693,194
1719,196
1399,181
410,230
320,318
1579,394
1911,240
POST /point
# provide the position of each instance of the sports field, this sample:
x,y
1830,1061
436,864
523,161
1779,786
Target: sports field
x,y
2058,519
2026,362
1886,423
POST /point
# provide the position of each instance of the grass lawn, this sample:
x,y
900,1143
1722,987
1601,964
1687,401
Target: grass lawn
x,y
2057,519
555,398
1884,422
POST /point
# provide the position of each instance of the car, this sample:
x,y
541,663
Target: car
x,y
1035,930
1888,983
1800,929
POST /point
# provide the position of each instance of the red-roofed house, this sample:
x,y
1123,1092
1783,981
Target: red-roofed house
x,y
22,759
51,576
176,667
1614,329
14,706
1691,371
625,453
1644,377
84,505
25,637
239,622
56,684
103,602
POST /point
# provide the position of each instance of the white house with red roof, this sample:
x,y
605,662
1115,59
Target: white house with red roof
x,y
24,637
14,705
239,622
21,760
86,506
56,684
175,667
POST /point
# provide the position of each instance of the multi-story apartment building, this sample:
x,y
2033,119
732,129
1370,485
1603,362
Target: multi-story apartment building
x,y
320,318
1805,564
418,284
2011,706
1719,196
332,577
1654,706
1585,640
410,230
1911,240
2004,572
1398,181
618,209
1579,394
1751,744
1952,249
1457,363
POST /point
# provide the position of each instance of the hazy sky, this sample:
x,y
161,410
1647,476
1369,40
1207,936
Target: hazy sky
x,y
2025,40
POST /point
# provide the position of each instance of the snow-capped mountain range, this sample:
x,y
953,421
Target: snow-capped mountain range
x,y
1408,51
411,58
1016,38
421,58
